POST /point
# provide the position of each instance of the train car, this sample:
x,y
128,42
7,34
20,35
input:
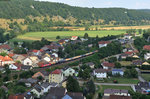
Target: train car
x,y
68,59
45,65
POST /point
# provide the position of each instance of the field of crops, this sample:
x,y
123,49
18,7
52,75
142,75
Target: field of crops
x,y
51,35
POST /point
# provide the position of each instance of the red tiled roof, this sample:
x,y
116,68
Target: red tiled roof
x,y
5,46
128,53
104,42
35,51
57,71
107,64
6,58
11,55
146,47
16,97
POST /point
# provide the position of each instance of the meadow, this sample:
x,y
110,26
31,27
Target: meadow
x,y
51,35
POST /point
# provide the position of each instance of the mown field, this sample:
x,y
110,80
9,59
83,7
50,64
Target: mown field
x,y
51,35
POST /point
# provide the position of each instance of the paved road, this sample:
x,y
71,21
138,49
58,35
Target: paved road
x,y
139,75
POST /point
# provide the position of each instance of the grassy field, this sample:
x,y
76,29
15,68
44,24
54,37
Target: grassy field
x,y
103,87
125,63
121,80
51,35
146,76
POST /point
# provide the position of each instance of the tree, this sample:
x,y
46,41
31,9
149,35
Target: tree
x,y
91,86
58,37
140,31
117,65
72,85
86,35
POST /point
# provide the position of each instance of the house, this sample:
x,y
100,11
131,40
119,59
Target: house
x,y
37,90
26,68
119,97
83,39
146,47
129,54
46,86
62,41
46,58
16,97
13,67
100,73
127,36
37,52
56,76
145,63
137,62
5,48
142,87
28,95
73,38
90,45
107,65
117,71
91,64
6,60
27,61
43,74
123,56
19,57
108,92
34,60
68,71
147,56
135,56
28,82
103,43
74,95
56,93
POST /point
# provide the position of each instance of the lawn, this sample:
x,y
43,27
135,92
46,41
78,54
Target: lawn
x,y
146,76
103,87
51,35
125,63
121,80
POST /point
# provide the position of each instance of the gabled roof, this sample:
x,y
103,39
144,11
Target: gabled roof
x,y
16,97
119,97
118,70
146,47
100,70
5,46
107,64
128,53
57,71
75,95
6,58
112,91
104,42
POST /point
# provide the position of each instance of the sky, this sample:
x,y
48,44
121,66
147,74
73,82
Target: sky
x,y
130,4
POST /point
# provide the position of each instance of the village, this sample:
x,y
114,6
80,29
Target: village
x,y
77,68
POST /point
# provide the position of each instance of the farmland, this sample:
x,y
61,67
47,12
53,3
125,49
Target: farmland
x,y
51,35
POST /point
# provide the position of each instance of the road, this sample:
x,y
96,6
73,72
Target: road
x,y
139,75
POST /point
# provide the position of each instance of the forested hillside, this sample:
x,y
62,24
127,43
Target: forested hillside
x,y
23,8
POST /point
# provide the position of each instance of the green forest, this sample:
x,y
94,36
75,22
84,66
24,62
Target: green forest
x,y
23,8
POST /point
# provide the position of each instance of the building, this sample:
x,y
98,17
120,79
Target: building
x,y
117,71
119,97
100,73
137,62
68,71
103,43
147,56
142,87
27,61
74,38
91,64
107,65
6,60
43,74
146,47
38,90
108,92
56,76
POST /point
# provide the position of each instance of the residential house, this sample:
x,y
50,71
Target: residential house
x,y
108,92
145,63
16,97
117,71
147,56
74,95
129,54
135,56
146,47
103,43
119,97
13,67
90,45
56,76
73,38
137,62
127,36
107,65
19,57
37,90
123,56
142,87
46,86
68,71
100,73
26,68
29,82
43,74
56,93
91,64
37,52
83,39
27,61
62,41
6,60
5,48
34,60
